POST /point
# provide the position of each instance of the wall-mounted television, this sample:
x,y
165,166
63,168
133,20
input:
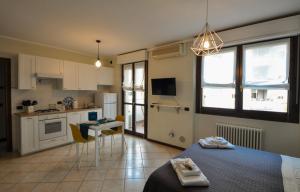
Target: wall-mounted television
x,y
164,86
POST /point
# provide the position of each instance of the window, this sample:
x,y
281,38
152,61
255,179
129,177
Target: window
x,y
221,82
257,80
266,73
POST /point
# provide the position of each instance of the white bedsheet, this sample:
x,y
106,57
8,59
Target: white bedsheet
x,y
290,169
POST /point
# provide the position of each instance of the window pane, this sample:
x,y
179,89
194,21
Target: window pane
x,y
127,81
139,97
266,64
219,68
218,97
128,96
128,117
139,119
265,100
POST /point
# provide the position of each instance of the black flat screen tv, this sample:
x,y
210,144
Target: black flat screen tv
x,y
164,86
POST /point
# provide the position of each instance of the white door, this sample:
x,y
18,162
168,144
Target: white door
x,y
70,79
26,72
29,135
72,118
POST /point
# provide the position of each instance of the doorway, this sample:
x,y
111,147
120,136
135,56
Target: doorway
x,y
5,106
134,97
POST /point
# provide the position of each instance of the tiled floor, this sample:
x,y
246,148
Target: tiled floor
x,y
55,169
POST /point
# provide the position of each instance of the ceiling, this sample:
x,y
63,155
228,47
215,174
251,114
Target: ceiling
x,y
126,25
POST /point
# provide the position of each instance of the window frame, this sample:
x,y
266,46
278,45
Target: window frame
x,y
217,85
292,114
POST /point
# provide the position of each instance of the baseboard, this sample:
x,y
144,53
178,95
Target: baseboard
x,y
166,144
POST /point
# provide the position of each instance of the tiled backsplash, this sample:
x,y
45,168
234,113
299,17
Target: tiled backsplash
x,y
49,91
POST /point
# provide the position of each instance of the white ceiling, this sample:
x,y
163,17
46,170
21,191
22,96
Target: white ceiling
x,y
126,25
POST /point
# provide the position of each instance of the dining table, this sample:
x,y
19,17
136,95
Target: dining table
x,y
105,126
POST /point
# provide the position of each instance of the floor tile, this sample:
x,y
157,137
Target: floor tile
x,y
23,187
95,174
90,186
68,186
134,185
76,175
55,176
113,185
13,177
135,173
115,174
6,186
45,187
34,177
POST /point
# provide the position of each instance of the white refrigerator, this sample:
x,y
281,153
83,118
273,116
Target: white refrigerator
x,y
108,103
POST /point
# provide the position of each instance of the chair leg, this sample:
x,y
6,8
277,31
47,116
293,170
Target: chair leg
x,y
70,149
111,140
78,165
99,144
103,141
77,155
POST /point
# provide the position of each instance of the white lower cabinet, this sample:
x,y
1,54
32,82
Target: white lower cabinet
x,y
72,118
29,135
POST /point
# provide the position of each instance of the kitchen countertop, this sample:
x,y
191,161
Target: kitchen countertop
x,y
25,114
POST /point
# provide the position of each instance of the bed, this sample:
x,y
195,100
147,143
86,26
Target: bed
x,y
238,170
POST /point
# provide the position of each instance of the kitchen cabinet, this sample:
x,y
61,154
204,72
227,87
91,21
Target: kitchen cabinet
x,y
72,118
70,77
87,77
49,67
105,76
29,135
26,72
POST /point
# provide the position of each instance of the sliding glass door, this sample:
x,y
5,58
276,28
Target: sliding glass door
x,y
134,84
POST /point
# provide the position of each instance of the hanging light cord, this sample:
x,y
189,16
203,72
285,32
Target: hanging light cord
x,y
98,51
206,12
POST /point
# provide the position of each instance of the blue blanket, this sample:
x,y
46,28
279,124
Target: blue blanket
x,y
84,127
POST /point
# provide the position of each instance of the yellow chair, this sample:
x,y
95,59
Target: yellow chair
x,y
79,139
114,131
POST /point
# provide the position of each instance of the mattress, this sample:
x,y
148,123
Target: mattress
x,y
238,170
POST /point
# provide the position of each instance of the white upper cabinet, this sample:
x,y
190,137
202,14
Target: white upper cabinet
x,y
49,67
87,77
105,76
70,78
26,72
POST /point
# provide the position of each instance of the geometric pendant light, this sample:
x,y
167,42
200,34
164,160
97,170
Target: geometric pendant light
x,y
208,41
98,62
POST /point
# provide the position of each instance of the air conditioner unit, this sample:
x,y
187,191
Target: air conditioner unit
x,y
167,51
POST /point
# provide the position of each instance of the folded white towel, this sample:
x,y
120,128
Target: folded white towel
x,y
198,180
181,164
216,140
212,145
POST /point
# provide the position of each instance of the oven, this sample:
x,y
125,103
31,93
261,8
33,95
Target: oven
x,y
52,126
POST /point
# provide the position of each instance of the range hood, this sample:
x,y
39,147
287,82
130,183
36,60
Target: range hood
x,y
49,76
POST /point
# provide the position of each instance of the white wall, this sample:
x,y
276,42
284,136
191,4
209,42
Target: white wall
x,y
167,119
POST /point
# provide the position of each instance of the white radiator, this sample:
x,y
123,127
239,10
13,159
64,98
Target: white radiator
x,y
241,136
